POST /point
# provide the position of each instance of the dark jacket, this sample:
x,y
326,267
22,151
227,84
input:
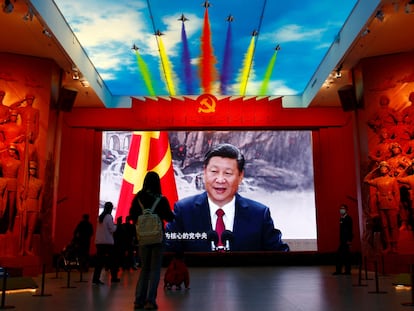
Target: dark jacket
x,y
253,226
163,209
345,229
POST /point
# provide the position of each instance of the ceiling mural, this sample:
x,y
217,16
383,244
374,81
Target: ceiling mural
x,y
190,47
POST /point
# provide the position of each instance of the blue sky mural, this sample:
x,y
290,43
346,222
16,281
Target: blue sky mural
x,y
222,47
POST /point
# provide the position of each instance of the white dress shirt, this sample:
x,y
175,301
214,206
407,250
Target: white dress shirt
x,y
228,218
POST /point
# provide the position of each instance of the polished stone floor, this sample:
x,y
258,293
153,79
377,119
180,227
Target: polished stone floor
x,y
285,288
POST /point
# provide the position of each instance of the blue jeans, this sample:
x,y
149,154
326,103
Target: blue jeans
x,y
149,278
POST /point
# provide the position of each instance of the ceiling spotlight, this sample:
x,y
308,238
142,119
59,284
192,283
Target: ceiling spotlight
x,y
8,6
365,32
29,15
380,15
76,75
84,83
338,72
47,33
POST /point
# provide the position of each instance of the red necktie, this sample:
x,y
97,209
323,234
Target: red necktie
x,y
220,225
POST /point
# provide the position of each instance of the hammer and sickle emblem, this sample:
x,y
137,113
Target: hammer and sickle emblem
x,y
135,176
207,104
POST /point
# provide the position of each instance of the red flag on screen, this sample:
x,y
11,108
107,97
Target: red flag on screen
x,y
148,151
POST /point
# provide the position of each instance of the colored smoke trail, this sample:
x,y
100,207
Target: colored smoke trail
x,y
186,59
268,74
143,69
247,62
207,59
226,68
166,66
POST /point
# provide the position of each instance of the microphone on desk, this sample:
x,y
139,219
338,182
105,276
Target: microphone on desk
x,y
212,236
227,237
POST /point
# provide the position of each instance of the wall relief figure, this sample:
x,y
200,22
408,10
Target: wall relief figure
x,y
20,187
10,165
386,204
30,206
391,180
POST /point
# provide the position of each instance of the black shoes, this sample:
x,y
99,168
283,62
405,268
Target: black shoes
x,y
138,306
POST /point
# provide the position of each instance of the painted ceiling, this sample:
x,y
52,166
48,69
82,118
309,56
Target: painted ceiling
x,y
221,47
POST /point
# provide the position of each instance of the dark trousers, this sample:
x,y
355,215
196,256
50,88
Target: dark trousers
x,y
149,278
104,257
343,258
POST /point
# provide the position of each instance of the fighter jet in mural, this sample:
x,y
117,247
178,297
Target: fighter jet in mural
x,y
183,18
277,48
230,18
158,33
254,33
206,4
134,47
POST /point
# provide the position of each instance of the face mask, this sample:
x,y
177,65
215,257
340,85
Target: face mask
x,y
342,211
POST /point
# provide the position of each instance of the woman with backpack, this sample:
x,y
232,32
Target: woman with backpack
x,y
148,197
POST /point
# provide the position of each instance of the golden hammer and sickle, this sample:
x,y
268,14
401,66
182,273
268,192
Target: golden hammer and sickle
x,y
208,104
136,176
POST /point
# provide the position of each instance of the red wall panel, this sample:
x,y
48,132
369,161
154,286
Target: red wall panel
x,y
78,188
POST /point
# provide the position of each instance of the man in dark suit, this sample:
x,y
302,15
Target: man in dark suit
x,y
248,224
345,238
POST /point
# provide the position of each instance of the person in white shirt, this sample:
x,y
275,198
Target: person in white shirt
x,y
104,241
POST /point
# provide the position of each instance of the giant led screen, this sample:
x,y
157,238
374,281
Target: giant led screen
x,y
278,173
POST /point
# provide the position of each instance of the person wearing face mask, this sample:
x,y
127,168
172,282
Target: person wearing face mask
x,y
343,258
222,211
